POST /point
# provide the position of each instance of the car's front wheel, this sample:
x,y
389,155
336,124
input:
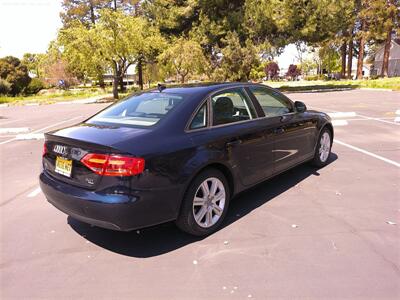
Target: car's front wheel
x,y
323,149
205,203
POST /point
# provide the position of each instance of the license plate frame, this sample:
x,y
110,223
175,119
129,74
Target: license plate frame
x,y
63,166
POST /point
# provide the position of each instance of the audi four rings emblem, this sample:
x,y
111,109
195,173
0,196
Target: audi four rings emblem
x,y
60,149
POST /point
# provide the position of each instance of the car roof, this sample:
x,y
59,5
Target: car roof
x,y
203,87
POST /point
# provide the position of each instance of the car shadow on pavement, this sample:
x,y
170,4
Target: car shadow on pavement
x,y
167,237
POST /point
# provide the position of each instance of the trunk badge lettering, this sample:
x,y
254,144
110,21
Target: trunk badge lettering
x,y
60,149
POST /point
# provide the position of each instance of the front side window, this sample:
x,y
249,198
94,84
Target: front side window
x,y
142,110
272,103
231,106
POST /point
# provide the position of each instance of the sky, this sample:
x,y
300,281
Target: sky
x,y
30,25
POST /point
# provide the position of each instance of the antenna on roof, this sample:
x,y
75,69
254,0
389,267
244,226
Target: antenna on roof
x,y
161,87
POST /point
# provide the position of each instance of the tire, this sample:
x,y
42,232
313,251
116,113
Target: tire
x,y
323,149
204,216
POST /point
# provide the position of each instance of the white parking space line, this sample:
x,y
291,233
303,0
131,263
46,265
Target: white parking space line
x,y
362,116
34,193
30,136
14,130
389,161
398,112
42,129
397,119
339,123
342,114
8,122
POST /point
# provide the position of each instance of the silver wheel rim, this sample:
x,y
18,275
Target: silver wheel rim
x,y
325,146
209,202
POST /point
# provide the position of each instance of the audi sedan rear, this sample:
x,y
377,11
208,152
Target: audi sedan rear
x,y
178,154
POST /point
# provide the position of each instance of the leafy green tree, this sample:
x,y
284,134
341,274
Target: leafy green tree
x,y
34,63
183,58
237,60
80,50
115,42
5,87
383,19
87,12
15,73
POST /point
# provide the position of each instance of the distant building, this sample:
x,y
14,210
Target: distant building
x,y
394,60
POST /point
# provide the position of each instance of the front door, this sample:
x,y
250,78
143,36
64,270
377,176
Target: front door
x,y
292,132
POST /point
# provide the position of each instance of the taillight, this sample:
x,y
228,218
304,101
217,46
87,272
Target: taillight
x,y
44,151
113,165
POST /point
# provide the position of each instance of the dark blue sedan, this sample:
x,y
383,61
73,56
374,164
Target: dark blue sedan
x,y
178,153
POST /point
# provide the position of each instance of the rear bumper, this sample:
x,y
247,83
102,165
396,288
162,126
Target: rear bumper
x,y
112,211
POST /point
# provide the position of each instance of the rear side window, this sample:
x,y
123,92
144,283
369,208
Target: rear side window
x,y
231,106
143,110
200,119
272,103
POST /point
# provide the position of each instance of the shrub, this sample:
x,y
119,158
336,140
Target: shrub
x,y
34,86
5,87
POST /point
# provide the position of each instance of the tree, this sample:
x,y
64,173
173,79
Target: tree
x,y
184,58
34,63
272,70
15,74
80,50
383,17
293,72
238,60
114,43
87,12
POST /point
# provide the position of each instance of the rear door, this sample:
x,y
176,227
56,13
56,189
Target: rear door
x,y
293,133
236,126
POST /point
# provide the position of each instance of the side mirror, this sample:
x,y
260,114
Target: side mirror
x,y
300,106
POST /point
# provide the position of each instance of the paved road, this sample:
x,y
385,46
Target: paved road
x,y
308,233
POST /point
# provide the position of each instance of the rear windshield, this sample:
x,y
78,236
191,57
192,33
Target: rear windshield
x,y
142,110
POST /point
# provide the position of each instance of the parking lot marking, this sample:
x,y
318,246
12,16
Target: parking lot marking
x,y
14,130
30,136
42,129
397,119
392,162
34,193
339,123
349,114
398,112
362,116
8,122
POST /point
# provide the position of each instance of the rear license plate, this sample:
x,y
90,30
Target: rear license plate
x,y
63,166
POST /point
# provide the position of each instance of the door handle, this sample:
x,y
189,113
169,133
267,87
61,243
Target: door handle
x,y
233,143
279,130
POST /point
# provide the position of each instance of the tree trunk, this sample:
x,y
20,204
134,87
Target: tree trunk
x,y
100,79
92,16
350,56
116,77
115,5
386,53
360,61
344,52
115,86
121,83
140,72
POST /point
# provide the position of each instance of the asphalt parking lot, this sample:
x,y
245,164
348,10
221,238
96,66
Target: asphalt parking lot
x,y
312,234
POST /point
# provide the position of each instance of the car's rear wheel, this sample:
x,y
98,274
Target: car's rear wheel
x,y
205,203
323,149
